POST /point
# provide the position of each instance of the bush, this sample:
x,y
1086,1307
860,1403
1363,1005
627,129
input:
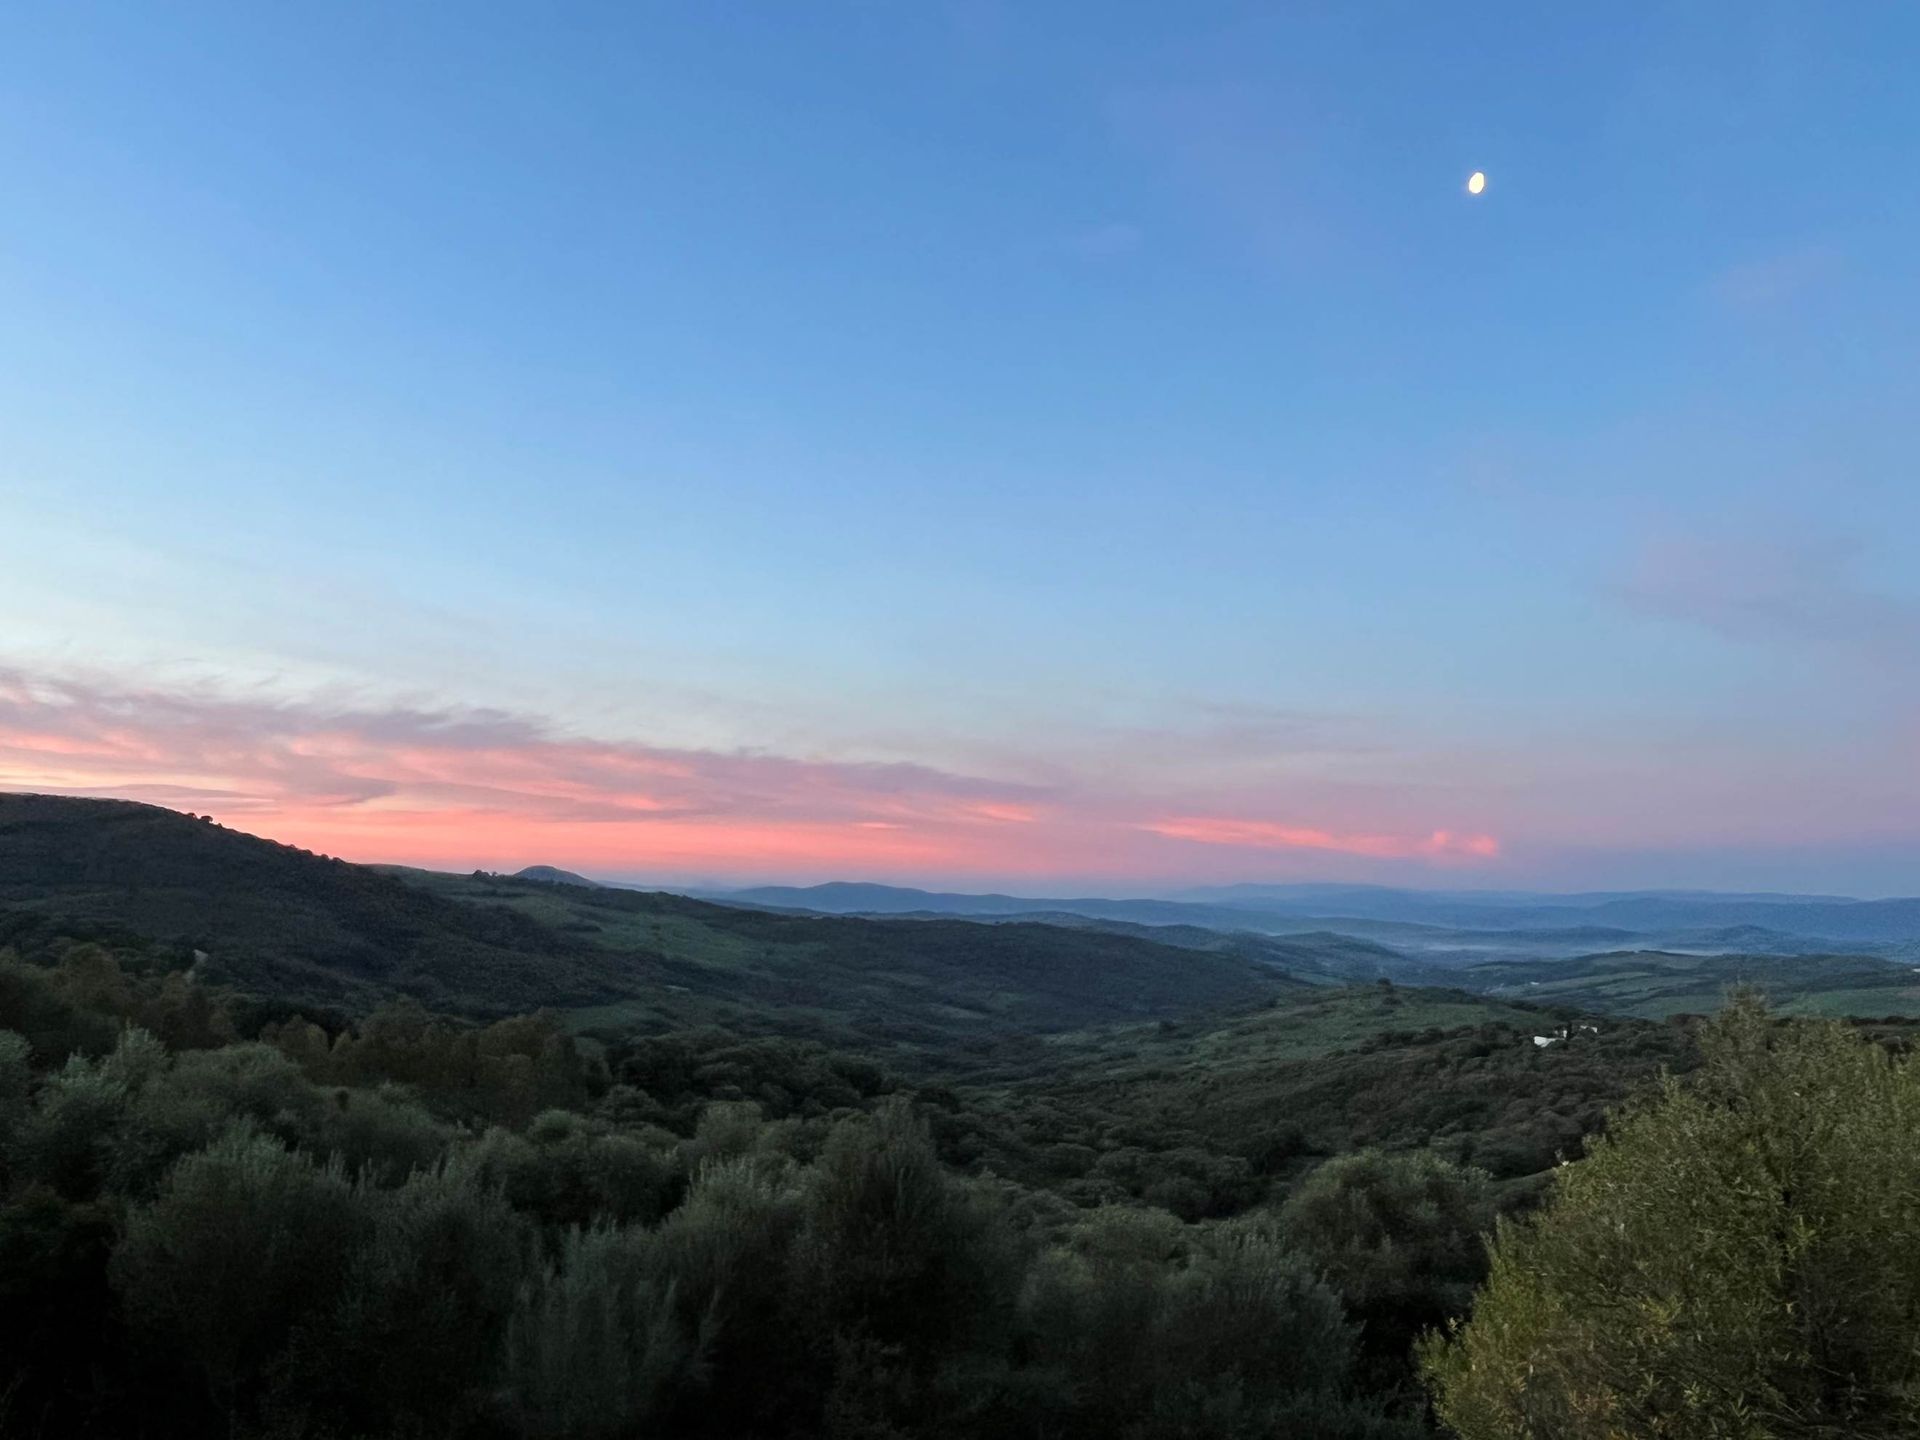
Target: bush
x,y
571,1171
16,1084
1741,1257
179,1108
382,1134
726,1254
893,1249
422,1311
62,1349
1397,1236
1159,1329
243,1242
593,1344
68,1138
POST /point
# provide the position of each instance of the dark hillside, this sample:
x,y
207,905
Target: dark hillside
x,y
552,875
918,980
274,918
1319,1074
1318,955
283,925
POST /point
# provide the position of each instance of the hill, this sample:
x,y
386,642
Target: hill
x,y
1438,928
1317,956
930,983
1261,1095
297,929
840,897
274,920
551,875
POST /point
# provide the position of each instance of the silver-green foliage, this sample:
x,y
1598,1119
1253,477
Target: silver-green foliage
x,y
1398,1237
1162,1329
16,1084
593,1343
242,1239
1740,1258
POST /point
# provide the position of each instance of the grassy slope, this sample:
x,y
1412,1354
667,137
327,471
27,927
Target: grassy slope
x,y
1655,984
902,979
1320,956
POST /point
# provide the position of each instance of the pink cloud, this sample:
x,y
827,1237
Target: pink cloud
x,y
459,788
1266,835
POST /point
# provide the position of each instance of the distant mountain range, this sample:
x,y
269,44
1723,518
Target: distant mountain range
x,y
1469,925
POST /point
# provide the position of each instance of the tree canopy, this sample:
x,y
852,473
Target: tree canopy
x,y
1739,1257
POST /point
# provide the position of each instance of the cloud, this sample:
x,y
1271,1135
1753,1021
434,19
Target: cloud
x,y
278,758
1267,835
1800,590
463,787
1771,281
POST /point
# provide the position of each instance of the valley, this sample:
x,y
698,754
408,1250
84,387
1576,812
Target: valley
x,y
1154,1088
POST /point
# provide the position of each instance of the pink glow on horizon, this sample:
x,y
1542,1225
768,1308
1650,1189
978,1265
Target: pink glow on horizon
x,y
465,789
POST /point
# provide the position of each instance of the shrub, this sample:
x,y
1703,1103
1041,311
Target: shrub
x,y
243,1241
1740,1257
422,1312
1397,1236
593,1343
67,1139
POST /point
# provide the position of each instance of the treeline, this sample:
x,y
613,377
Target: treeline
x,y
418,1228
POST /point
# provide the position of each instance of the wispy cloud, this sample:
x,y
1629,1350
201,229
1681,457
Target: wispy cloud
x,y
1803,590
460,787
1770,281
1266,835
271,753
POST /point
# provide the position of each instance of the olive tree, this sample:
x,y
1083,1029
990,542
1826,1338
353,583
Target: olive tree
x,y
1740,1257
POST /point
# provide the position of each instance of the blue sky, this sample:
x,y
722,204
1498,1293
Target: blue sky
x,y
1121,412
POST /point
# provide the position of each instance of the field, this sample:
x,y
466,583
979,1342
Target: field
x,y
1653,985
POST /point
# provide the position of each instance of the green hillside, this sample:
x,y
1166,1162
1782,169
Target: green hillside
x,y
1320,956
1655,984
1275,1089
934,983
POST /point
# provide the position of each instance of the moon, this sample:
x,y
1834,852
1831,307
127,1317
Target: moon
x,y
1476,182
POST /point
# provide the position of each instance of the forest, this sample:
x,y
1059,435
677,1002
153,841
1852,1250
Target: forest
x,y
421,1227
417,1226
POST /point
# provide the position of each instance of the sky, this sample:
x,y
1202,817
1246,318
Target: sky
x,y
974,444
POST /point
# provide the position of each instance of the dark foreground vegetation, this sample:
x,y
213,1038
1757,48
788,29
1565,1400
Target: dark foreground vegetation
x,y
413,1228
1018,1210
